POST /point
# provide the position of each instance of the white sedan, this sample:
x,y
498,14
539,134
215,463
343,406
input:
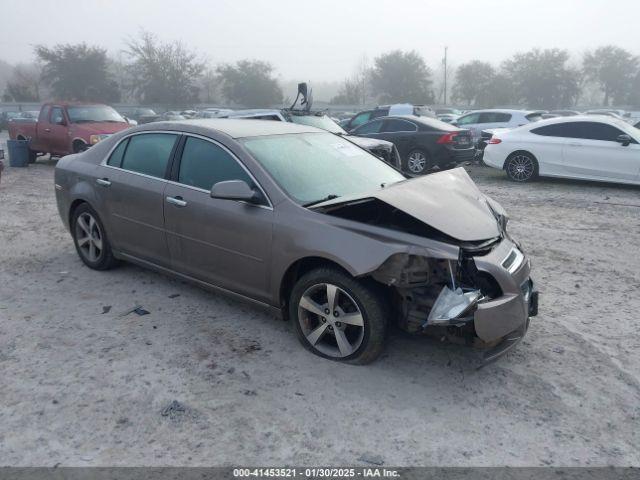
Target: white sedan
x,y
582,147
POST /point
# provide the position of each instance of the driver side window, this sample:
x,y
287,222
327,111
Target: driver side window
x,y
57,117
203,164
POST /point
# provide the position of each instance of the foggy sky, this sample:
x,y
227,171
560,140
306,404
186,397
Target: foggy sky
x,y
324,40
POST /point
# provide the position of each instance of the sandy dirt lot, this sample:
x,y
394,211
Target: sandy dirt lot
x,y
81,384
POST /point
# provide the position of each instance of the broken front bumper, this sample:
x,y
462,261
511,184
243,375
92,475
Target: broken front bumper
x,y
499,317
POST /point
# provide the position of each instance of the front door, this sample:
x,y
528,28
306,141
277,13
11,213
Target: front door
x,y
223,242
594,152
55,134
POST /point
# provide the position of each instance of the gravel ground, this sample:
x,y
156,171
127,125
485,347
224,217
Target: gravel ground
x,y
82,384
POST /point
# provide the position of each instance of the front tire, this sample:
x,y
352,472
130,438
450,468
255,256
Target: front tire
x,y
338,317
521,167
90,239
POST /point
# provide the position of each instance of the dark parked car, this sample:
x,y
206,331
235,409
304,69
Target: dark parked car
x,y
361,118
423,143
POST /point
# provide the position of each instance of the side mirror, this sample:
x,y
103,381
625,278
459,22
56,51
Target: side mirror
x,y
454,123
234,190
624,139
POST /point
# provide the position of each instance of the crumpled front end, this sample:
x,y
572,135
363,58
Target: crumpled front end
x,y
484,299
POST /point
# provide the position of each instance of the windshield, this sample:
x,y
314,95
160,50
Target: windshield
x,y
311,167
94,113
323,122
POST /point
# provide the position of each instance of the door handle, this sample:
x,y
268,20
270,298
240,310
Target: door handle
x,y
177,201
575,144
47,130
103,182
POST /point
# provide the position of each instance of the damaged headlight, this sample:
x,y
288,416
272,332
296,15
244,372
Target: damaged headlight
x,y
451,305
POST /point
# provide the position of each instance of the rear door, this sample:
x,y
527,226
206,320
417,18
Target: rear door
x,y
131,188
594,152
223,242
403,133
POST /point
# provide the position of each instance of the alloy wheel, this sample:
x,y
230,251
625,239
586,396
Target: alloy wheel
x,y
521,168
331,320
89,237
417,162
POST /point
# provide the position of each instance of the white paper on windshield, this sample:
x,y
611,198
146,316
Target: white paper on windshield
x,y
347,150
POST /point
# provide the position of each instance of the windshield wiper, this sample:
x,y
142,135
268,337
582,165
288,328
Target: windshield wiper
x,y
315,202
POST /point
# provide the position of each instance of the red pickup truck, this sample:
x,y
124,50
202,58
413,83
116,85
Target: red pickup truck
x,y
63,128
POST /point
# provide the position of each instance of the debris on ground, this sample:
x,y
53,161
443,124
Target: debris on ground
x,y
173,410
106,309
174,295
141,311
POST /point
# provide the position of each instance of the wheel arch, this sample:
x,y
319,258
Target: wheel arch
x,y
521,151
296,270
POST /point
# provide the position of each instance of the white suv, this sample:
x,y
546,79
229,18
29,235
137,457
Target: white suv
x,y
480,120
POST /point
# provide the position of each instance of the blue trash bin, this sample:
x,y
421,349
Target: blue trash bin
x,y
18,153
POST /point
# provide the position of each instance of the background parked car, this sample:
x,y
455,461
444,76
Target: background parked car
x,y
5,117
423,143
565,113
388,110
66,127
214,113
485,119
583,147
136,113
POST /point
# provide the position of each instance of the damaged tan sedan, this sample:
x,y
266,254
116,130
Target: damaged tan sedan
x,y
307,224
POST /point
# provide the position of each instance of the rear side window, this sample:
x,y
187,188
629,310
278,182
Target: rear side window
x,y
115,160
554,130
395,125
468,119
149,153
494,117
204,164
371,127
534,117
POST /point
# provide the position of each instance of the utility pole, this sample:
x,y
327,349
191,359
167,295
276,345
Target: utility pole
x,y
444,61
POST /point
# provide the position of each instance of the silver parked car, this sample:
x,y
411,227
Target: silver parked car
x,y
306,224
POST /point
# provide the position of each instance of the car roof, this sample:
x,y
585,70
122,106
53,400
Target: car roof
x,y
234,128
577,118
505,110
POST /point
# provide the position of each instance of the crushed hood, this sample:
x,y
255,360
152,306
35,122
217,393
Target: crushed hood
x,y
448,201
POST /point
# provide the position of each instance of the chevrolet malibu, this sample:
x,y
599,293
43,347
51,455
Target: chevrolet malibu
x,y
305,224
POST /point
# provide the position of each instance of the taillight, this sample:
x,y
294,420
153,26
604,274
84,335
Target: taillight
x,y
448,138
493,141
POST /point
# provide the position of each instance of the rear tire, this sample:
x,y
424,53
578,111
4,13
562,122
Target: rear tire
x,y
418,162
90,239
354,332
521,167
